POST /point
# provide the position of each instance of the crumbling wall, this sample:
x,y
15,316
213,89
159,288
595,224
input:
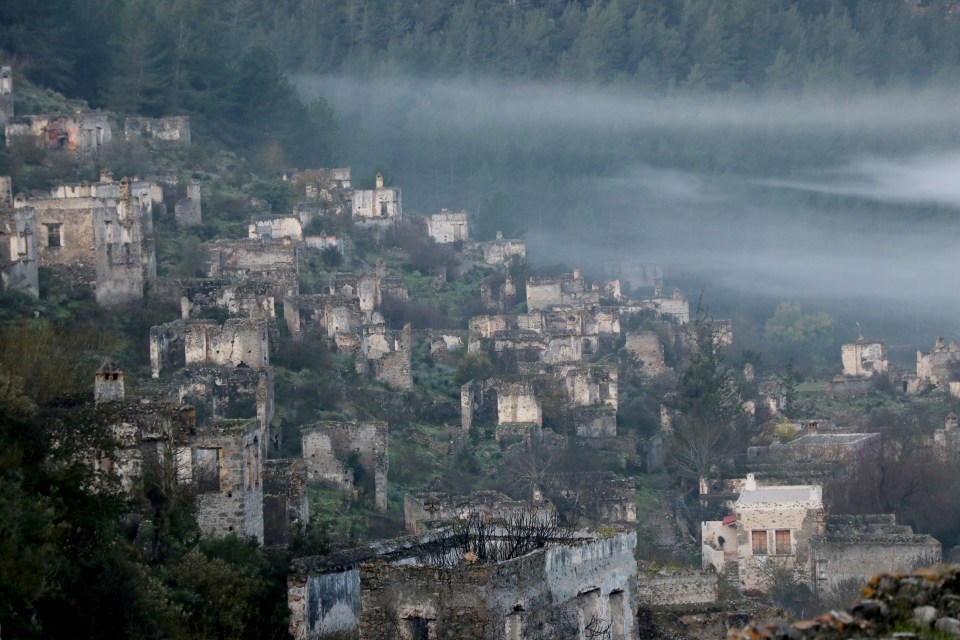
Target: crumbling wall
x,y
248,261
499,252
227,475
6,192
432,509
65,235
447,227
331,314
863,359
82,135
672,588
348,454
379,203
517,403
934,368
125,256
858,547
387,355
238,342
231,393
169,130
188,211
276,229
6,94
200,295
18,258
285,509
647,347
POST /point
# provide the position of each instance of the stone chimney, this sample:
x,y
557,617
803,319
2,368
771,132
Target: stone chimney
x,y
379,181
106,176
108,384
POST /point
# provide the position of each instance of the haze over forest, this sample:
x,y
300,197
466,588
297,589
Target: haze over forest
x,y
760,151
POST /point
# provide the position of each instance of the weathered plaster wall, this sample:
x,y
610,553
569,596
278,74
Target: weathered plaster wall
x,y
864,359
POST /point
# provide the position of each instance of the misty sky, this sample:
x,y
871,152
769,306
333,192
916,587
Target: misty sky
x,y
814,197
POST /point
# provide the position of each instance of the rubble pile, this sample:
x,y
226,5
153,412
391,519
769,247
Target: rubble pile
x,y
921,604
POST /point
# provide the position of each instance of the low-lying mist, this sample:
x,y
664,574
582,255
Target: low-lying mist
x,y
848,204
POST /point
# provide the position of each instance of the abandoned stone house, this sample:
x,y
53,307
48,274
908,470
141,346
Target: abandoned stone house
x,y
777,528
497,253
220,459
148,193
566,290
385,355
675,308
225,467
430,510
82,135
510,404
351,455
18,255
251,261
276,229
286,511
412,588
330,315
378,204
6,95
811,456
321,184
90,241
201,297
854,548
936,368
238,342
169,130
447,227
369,289
188,211
648,348
326,241
864,358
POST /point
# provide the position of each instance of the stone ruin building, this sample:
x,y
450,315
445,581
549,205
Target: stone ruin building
x,y
6,95
245,261
430,510
199,297
220,460
97,236
18,254
286,511
80,134
376,205
187,211
566,290
351,455
169,130
418,588
385,355
276,229
497,253
864,358
447,227
775,527
937,368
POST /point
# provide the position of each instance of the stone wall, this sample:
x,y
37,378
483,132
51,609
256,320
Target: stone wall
x,y
238,342
854,548
276,229
447,227
328,314
227,474
381,202
19,254
934,368
125,257
517,403
435,509
672,588
250,299
648,348
285,508
188,211
335,451
246,261
82,135
387,355
6,94
864,359
170,130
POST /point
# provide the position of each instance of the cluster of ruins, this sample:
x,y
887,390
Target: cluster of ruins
x,y
207,418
